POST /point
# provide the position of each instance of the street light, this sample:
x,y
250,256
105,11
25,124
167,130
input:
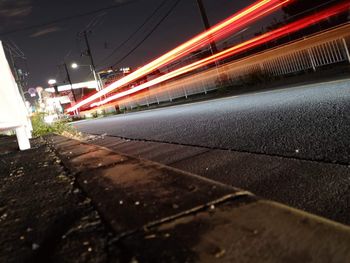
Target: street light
x,y
96,76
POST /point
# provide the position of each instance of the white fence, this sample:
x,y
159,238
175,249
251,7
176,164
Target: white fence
x,y
327,48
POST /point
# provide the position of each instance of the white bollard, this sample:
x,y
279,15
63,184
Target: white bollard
x,y
22,138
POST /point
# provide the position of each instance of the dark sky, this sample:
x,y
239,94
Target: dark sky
x,y
46,47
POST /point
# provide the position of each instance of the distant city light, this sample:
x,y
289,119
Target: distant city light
x,y
125,70
52,82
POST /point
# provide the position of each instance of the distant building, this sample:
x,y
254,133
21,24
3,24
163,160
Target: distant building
x,y
110,76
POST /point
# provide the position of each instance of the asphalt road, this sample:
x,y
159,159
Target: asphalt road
x,y
307,122
290,145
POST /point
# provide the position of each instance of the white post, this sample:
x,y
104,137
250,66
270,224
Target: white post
x,y
311,59
346,50
22,138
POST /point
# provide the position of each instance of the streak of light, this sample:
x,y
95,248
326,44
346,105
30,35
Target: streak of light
x,y
254,42
228,26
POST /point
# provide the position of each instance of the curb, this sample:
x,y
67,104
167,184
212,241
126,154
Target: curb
x,y
161,214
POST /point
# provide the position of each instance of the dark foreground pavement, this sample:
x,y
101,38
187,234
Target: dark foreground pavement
x,y
44,217
67,201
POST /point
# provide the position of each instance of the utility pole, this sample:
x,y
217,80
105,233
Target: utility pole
x,y
69,80
206,24
91,60
213,47
89,49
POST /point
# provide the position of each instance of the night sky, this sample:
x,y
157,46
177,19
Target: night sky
x,y
47,46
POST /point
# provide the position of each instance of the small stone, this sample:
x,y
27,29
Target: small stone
x,y
137,203
76,191
297,150
21,238
121,202
220,253
29,229
35,246
3,216
175,206
85,182
212,207
89,249
62,177
86,243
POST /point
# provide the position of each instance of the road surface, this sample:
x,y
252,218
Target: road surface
x,y
290,145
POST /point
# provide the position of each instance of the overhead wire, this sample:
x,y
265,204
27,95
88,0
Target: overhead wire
x,y
63,19
132,35
149,33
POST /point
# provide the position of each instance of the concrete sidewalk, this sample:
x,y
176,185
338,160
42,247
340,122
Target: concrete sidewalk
x,y
68,201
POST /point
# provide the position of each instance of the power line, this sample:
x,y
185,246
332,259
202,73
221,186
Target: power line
x,y
55,21
135,32
149,34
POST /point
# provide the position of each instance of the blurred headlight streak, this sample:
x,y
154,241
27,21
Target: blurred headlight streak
x,y
254,42
219,31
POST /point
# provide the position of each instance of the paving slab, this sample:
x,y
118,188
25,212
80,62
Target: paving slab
x,y
260,231
133,193
319,188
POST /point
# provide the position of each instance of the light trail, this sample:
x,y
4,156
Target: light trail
x,y
228,26
267,37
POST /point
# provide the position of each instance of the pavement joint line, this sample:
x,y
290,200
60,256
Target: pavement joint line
x,y
196,209
185,158
227,198
228,149
140,140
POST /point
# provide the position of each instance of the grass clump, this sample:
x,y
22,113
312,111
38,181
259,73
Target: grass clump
x,y
41,128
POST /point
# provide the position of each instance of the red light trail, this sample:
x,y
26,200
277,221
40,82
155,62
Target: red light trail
x,y
275,34
228,26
